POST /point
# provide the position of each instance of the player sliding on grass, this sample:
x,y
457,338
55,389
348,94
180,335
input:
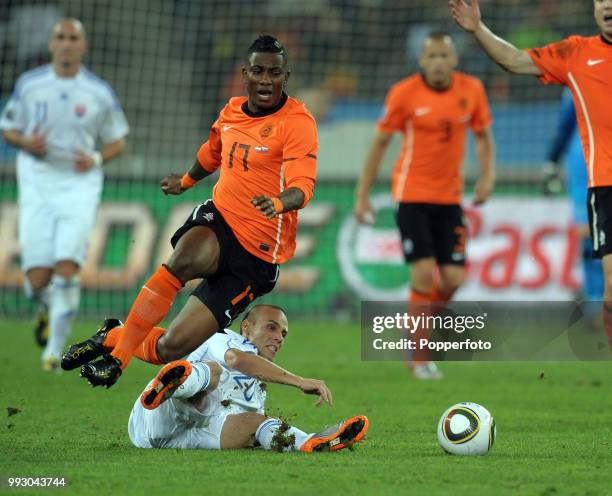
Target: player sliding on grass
x,y
265,146
215,398
584,65
433,111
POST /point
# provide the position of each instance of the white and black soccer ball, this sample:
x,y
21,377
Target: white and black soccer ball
x,y
466,429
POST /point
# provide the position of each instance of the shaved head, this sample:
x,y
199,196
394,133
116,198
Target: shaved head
x,y
438,36
70,23
67,46
256,310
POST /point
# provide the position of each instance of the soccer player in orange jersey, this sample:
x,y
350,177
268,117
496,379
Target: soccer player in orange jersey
x,y
584,65
265,146
433,111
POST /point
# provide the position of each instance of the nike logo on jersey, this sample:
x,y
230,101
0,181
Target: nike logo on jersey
x,y
592,62
419,111
226,128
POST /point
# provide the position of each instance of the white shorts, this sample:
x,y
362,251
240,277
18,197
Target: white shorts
x,y
56,224
175,424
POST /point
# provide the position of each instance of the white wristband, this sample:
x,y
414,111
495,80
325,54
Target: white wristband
x,y
96,158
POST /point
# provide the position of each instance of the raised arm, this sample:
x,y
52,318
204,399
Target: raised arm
x,y
256,366
503,53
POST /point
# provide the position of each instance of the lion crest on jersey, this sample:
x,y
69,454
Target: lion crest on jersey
x,y
266,131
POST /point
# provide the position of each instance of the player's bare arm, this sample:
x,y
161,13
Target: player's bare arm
x,y
485,151
503,53
264,370
85,161
363,209
290,199
174,184
35,144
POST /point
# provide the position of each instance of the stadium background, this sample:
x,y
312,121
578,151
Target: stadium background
x,y
173,64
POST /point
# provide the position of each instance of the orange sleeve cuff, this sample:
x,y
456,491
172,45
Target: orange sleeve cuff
x,y
278,205
187,181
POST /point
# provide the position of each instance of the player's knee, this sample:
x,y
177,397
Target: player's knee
x,y
196,255
422,274
66,269
37,280
452,282
169,349
182,268
215,375
422,282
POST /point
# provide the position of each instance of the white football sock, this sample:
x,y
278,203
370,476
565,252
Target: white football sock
x,y
63,306
270,428
198,380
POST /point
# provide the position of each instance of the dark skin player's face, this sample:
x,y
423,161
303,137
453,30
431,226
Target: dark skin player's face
x,y
265,77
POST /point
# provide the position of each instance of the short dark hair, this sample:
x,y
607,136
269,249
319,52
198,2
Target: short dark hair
x,y
267,44
254,308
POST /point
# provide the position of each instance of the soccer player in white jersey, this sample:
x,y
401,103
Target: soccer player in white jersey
x,y
215,398
66,123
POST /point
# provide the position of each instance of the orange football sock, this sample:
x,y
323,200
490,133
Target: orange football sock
x,y
420,305
607,318
146,351
149,309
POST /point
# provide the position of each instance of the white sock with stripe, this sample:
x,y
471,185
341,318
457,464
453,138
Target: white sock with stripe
x,y
272,434
198,380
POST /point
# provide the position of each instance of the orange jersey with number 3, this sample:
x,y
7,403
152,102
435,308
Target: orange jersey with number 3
x,y
433,124
584,65
261,154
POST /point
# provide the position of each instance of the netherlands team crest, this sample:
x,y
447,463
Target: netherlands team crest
x,y
80,110
266,131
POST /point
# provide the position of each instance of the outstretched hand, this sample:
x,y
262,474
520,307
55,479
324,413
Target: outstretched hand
x,y
315,386
466,15
171,185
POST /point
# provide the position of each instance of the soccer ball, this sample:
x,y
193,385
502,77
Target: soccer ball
x,y
466,429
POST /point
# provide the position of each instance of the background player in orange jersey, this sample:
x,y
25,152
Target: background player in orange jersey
x,y
433,111
584,65
265,146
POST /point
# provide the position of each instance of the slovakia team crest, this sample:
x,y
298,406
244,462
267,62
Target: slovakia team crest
x,y
80,110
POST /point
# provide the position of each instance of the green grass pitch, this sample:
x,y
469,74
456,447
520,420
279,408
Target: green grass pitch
x,y
554,431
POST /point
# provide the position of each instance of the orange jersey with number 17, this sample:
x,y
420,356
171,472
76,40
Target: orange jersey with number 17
x,y
261,154
584,65
434,125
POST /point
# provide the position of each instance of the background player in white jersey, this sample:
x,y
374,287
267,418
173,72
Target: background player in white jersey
x,y
215,398
66,122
